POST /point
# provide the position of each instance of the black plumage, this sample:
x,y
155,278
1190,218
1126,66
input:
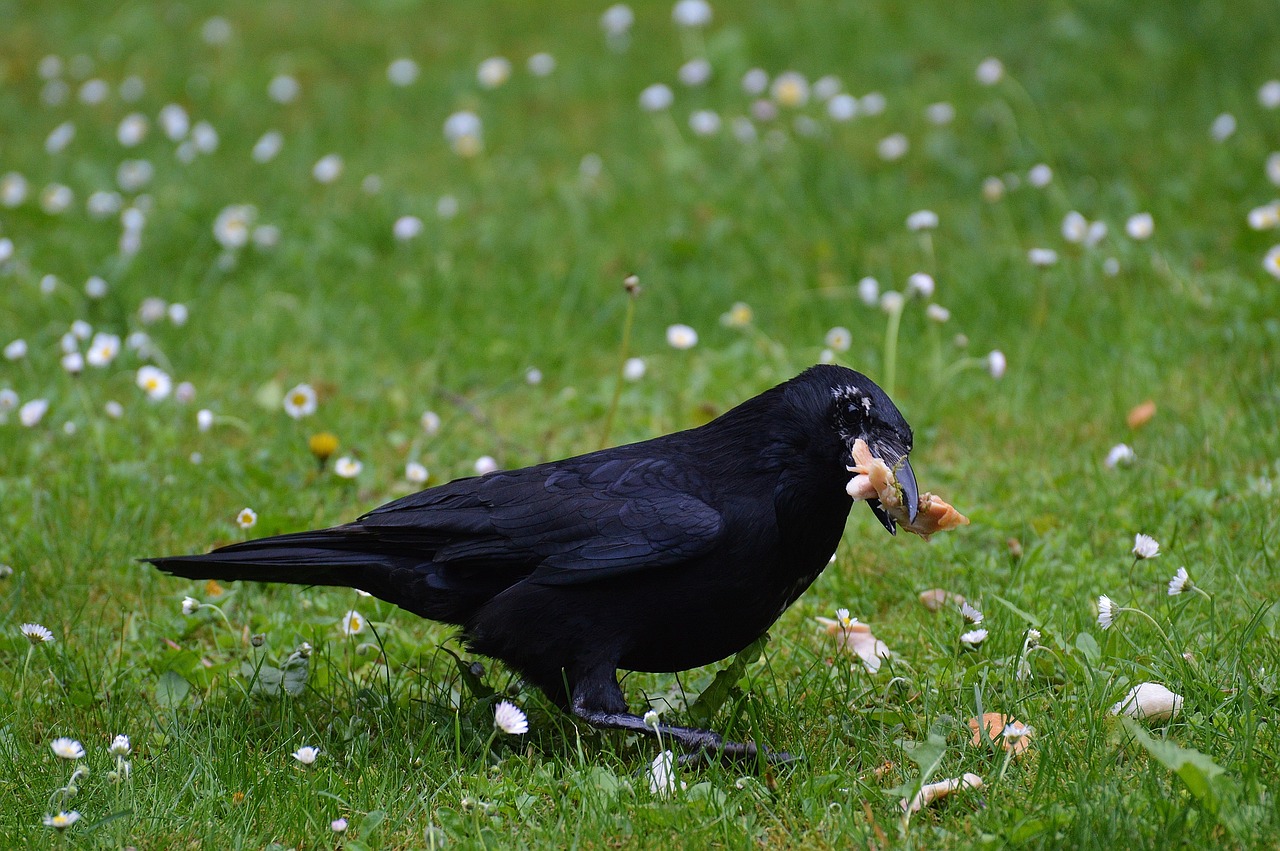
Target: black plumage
x,y
654,556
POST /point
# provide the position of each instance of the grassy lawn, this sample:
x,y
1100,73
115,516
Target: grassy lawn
x,y
499,308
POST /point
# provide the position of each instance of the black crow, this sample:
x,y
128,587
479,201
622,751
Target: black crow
x,y
662,555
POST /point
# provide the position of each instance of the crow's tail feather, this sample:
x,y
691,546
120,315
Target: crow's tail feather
x,y
349,556
324,557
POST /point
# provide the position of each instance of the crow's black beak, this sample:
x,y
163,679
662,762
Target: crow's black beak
x,y
910,495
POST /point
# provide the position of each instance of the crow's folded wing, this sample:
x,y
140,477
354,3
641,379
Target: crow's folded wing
x,y
563,523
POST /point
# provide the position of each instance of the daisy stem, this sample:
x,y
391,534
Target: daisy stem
x,y
960,366
26,662
624,349
926,247
1004,766
891,348
221,614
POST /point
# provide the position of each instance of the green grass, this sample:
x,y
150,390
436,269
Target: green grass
x,y
1117,98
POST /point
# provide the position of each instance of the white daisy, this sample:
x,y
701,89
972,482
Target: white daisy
x,y
755,81
132,130
267,146
992,189
695,72
32,412
300,401
838,339
402,72
485,465
120,746
1015,731
989,71
464,132
920,284
204,138
790,89
656,98
508,718
1180,582
1120,455
1269,94
1223,127
634,369
940,114
415,473
869,291
617,20
36,633
352,623
406,228
283,89
493,72
233,226
922,220
327,169
1271,262
937,313
73,362
892,147
892,301
1042,257
996,363
174,121
1040,175
1075,227
1145,546
338,825
430,421
62,820
1106,612
973,638
842,107
67,748
1265,217
681,336
59,138
246,518
306,754
872,103
347,467
154,381
1140,226
103,350
691,13
971,614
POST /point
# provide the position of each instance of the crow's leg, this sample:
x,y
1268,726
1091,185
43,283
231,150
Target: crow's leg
x,y
598,700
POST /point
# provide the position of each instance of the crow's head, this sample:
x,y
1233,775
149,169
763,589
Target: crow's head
x,y
858,408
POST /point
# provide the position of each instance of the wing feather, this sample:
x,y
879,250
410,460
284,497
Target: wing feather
x,y
562,523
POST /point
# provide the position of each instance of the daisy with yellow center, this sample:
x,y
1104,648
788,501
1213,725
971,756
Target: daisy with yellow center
x,y
347,467
300,401
62,821
155,382
352,623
